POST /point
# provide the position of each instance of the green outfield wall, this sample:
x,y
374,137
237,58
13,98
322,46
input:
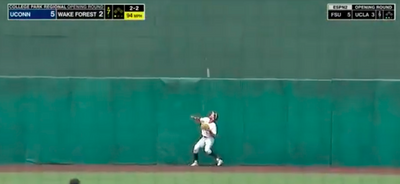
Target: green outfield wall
x,y
146,121
182,38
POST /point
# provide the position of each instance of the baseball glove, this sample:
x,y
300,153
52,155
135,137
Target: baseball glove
x,y
204,126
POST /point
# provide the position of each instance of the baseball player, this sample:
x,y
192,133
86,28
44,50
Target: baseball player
x,y
208,133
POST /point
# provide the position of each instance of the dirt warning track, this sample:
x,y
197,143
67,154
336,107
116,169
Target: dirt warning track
x,y
156,168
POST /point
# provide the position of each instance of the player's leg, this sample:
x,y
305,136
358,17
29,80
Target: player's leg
x,y
200,144
209,142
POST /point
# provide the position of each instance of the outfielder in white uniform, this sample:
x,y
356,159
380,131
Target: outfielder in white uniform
x,y
207,138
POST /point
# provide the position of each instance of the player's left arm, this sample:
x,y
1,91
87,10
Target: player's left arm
x,y
213,129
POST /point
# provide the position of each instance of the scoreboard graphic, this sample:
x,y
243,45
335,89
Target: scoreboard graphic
x,y
362,11
130,12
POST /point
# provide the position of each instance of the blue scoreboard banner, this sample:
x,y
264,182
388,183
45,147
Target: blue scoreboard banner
x,y
31,14
76,11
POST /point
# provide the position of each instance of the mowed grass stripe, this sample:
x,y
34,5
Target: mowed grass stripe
x,y
194,178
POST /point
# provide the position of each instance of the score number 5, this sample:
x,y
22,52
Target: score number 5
x,y
52,14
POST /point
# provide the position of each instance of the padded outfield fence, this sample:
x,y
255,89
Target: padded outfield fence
x,y
56,120
307,126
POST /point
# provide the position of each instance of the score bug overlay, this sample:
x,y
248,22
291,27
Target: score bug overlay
x,y
362,11
135,11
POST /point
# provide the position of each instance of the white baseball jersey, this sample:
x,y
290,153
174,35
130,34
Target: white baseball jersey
x,y
212,125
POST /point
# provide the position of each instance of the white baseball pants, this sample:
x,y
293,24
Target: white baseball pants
x,y
206,143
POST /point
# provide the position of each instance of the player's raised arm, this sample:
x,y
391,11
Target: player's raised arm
x,y
196,119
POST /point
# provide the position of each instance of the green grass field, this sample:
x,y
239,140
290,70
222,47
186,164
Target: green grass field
x,y
195,178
